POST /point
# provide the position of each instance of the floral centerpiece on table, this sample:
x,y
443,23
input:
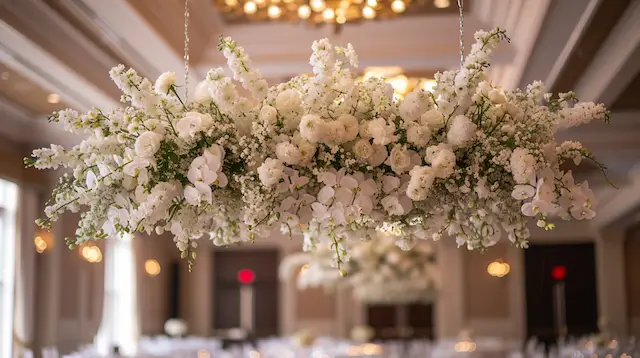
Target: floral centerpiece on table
x,y
328,156
379,271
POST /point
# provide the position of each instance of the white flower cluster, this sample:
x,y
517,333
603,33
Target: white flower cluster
x,y
326,157
379,271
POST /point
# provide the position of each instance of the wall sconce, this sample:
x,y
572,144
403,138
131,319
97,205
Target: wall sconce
x,y
92,253
43,241
152,267
303,269
498,268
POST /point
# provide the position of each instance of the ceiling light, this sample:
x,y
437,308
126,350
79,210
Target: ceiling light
x,y
152,267
372,3
400,84
53,98
344,4
259,2
368,13
328,14
341,19
398,6
231,3
304,12
250,7
429,85
441,4
274,11
317,5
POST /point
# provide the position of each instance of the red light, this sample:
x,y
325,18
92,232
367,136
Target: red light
x,y
246,276
559,273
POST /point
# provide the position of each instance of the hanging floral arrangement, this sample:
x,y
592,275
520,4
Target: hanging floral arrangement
x,y
328,157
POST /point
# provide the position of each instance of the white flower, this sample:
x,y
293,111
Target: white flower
x,y
522,165
433,118
461,131
334,132
164,82
420,183
192,123
363,149
497,97
382,132
307,151
413,106
268,115
418,135
312,128
442,159
288,101
147,144
203,91
378,156
523,192
396,206
351,126
288,153
399,159
364,130
270,172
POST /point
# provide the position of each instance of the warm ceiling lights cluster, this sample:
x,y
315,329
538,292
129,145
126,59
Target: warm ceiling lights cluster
x,y
498,268
402,84
91,253
319,11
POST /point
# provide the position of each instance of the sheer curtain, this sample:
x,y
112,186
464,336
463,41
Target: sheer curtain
x,y
119,325
8,240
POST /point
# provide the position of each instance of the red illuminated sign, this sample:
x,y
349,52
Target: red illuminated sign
x,y
246,276
559,273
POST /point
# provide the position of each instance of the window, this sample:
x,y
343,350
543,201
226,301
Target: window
x,y
119,326
8,240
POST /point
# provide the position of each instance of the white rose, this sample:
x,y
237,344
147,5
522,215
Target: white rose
x,y
307,151
192,123
270,172
363,149
420,183
382,132
497,97
203,91
288,101
379,155
312,128
288,153
418,135
268,114
364,130
334,132
147,144
433,118
444,163
164,82
413,106
351,126
399,159
461,131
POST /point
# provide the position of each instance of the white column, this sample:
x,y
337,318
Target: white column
x,y
26,269
610,275
449,310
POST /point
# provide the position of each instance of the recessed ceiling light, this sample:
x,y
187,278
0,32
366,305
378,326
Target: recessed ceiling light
x,y
53,98
4,75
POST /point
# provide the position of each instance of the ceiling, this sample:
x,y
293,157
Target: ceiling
x,y
24,93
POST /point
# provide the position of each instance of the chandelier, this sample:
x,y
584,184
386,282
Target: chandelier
x,y
318,12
